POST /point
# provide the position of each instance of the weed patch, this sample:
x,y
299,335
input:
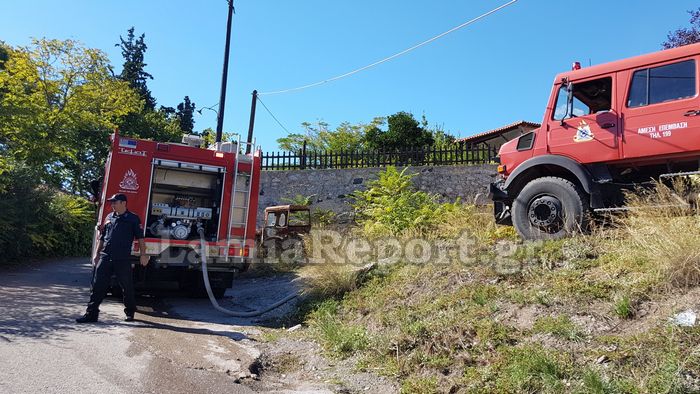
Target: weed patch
x,y
559,326
337,338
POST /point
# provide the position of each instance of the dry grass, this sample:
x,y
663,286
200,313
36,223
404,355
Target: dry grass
x,y
452,327
660,240
331,280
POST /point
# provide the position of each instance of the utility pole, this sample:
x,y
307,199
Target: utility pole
x,y
251,125
224,76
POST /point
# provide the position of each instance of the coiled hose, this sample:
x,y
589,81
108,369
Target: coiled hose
x,y
210,293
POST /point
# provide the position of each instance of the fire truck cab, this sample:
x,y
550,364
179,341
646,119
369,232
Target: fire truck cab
x,y
177,189
606,129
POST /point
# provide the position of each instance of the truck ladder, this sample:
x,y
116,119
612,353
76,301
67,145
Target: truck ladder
x,y
245,208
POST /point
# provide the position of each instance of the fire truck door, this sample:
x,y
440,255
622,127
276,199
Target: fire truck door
x,y
584,124
661,110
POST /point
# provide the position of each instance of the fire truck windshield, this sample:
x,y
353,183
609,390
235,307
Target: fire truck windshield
x,y
588,98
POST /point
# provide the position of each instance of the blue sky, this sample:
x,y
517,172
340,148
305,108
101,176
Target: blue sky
x,y
494,72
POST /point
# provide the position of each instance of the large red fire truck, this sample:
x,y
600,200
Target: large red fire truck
x,y
607,129
177,189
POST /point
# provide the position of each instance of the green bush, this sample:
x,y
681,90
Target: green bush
x,y
624,308
299,200
39,222
391,205
323,217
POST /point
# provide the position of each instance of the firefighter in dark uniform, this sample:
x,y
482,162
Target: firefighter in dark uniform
x,y
112,257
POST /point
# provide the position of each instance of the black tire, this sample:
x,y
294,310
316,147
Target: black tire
x,y
219,292
201,292
549,208
196,288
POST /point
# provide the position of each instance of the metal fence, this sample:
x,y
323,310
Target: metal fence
x,y
458,154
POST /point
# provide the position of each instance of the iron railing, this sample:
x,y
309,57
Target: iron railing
x,y
457,154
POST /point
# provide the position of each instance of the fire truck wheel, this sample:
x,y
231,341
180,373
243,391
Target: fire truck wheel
x,y
218,292
549,208
194,284
201,292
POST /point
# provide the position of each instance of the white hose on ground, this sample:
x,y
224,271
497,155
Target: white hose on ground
x,y
215,304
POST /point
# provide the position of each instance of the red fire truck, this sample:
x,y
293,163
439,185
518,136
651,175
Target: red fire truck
x,y
607,129
176,189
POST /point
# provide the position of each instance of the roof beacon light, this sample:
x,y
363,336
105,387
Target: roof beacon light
x,y
576,66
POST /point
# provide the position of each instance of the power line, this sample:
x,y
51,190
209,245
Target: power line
x,y
273,116
386,59
210,108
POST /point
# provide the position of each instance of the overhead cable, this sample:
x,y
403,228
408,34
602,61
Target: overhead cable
x,y
394,56
273,116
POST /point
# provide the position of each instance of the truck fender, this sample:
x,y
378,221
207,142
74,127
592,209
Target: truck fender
x,y
577,169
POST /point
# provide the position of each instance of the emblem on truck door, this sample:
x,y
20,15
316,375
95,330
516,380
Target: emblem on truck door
x,y
583,132
129,182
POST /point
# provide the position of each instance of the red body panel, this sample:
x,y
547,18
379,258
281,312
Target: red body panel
x,y
129,170
624,134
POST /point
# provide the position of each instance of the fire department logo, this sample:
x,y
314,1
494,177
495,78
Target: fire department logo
x,y
129,182
583,132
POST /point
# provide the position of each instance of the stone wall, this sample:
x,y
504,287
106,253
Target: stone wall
x,y
331,188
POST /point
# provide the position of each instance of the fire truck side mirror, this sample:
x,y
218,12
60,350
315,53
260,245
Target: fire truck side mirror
x,y
569,102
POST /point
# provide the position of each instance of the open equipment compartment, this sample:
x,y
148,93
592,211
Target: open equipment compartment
x,y
182,195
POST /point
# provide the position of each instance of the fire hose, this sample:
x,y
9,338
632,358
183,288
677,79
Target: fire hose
x,y
215,304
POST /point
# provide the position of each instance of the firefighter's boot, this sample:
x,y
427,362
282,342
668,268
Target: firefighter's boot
x,y
87,318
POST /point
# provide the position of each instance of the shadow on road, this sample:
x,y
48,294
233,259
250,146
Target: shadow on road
x,y
42,302
236,336
246,295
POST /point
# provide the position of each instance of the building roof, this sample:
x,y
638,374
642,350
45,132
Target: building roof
x,y
487,135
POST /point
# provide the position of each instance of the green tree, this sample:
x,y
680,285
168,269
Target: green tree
x,y
318,136
294,142
185,115
347,137
441,138
148,122
209,136
4,55
403,132
685,36
350,137
312,135
44,222
159,125
60,103
133,71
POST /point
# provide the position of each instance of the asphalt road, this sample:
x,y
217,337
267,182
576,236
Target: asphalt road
x,y
176,345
